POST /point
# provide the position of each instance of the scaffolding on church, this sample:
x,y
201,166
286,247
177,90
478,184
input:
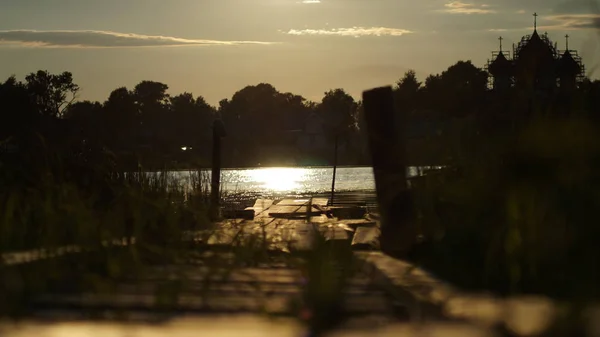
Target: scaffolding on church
x,y
527,38
503,62
495,55
575,55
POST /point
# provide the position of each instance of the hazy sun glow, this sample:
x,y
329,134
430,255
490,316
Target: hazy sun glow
x,y
304,47
279,179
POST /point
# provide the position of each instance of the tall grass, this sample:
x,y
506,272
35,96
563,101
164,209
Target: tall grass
x,y
90,207
58,203
519,215
54,213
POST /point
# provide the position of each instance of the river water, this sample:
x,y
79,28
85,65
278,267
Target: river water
x,y
295,181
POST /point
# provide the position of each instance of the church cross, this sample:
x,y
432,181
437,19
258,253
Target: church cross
x,y
567,41
500,39
535,15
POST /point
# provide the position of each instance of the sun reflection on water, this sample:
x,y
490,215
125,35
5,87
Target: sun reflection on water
x,y
279,178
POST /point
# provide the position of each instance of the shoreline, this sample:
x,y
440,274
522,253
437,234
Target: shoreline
x,y
247,199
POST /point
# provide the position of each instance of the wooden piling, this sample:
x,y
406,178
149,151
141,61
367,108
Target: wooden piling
x,y
389,158
335,163
218,130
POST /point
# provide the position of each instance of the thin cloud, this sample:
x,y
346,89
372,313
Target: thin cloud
x,y
310,1
102,39
352,32
573,22
562,22
458,7
576,7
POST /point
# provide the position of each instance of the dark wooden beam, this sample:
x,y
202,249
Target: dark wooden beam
x,y
387,144
218,130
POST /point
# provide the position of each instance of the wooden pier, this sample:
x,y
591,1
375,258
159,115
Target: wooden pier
x,y
291,224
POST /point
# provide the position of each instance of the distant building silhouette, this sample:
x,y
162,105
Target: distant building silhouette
x,y
536,63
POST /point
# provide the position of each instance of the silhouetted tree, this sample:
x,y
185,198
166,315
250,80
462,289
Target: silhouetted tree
x,y
406,91
17,113
460,90
338,109
408,84
148,122
51,93
431,92
297,109
259,116
152,102
121,120
85,117
466,87
362,134
190,120
150,94
252,109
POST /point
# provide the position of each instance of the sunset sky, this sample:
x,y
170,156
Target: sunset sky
x,y
215,47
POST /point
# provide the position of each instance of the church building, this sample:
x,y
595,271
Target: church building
x,y
536,63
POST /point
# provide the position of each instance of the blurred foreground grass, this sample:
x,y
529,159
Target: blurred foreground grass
x,y
49,203
519,213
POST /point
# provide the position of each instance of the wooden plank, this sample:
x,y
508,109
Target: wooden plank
x,y
304,236
335,233
366,238
356,223
262,204
297,208
246,214
349,212
320,201
224,237
320,219
278,211
293,202
274,236
294,215
286,209
299,202
260,207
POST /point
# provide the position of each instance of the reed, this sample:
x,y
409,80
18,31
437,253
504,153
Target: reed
x,y
518,215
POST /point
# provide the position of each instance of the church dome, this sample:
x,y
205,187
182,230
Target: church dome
x,y
567,64
500,65
536,47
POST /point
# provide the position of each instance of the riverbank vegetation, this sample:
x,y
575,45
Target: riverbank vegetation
x,y
513,213
82,231
515,209
149,126
86,217
519,214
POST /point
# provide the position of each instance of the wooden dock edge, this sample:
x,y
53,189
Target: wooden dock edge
x,y
427,298
396,278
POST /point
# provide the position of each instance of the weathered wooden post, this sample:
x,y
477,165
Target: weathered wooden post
x,y
335,163
388,152
218,130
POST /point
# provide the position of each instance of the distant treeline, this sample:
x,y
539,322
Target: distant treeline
x,y
147,126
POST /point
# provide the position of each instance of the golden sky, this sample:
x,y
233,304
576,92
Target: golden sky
x,y
215,47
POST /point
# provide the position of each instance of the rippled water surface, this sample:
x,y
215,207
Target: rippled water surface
x,y
298,180
294,181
